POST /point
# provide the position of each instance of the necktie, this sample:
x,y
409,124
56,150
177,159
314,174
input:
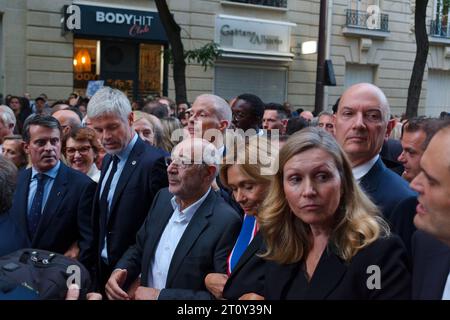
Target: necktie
x,y
104,198
36,206
248,232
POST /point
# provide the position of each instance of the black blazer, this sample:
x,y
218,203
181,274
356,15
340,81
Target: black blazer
x,y
248,274
142,177
385,188
66,217
431,267
202,249
334,279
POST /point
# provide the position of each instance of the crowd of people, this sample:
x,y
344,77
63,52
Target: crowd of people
x,y
236,199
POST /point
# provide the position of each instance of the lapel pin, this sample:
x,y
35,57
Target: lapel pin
x,y
133,162
58,194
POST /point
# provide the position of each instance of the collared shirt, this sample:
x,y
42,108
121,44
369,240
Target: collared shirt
x,y
361,170
51,175
123,158
94,173
446,294
159,267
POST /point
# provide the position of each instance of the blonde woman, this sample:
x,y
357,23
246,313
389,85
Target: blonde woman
x,y
249,182
325,238
148,127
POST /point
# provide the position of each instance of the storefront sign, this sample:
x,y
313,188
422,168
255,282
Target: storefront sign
x,y
239,34
120,23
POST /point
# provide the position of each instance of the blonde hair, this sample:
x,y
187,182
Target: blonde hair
x,y
249,166
357,219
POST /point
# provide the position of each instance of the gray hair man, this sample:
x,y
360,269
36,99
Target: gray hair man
x,y
132,173
7,123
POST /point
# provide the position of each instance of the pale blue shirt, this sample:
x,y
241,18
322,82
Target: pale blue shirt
x,y
123,158
51,175
446,294
159,267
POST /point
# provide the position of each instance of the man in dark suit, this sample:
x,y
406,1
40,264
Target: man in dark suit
x,y
132,174
188,233
52,203
362,123
431,259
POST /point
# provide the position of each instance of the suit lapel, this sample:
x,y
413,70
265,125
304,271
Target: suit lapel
x,y
132,162
435,278
198,222
159,219
371,180
57,193
250,252
327,275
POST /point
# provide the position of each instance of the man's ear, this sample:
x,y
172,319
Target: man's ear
x,y
224,124
390,127
131,118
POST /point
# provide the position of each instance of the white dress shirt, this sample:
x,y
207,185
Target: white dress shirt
x,y
361,170
159,267
446,294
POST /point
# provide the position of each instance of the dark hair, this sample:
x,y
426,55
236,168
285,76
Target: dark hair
x,y
157,109
281,110
255,102
336,104
39,120
296,124
428,125
8,172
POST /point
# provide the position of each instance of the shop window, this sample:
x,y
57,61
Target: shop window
x,y
84,64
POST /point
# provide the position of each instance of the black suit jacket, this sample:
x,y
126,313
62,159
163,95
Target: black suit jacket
x,y
142,177
430,268
248,274
202,249
66,217
385,188
334,279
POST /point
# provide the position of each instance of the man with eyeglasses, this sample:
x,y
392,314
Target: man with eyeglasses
x,y
188,233
52,203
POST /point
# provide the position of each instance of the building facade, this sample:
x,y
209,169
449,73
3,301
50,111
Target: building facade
x,y
45,49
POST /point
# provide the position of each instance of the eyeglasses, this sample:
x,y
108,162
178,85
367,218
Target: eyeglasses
x,y
181,162
81,150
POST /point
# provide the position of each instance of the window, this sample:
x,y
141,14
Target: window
x,y
269,3
267,83
440,26
438,95
366,14
357,73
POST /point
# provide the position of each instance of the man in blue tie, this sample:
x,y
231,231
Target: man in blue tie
x,y
52,203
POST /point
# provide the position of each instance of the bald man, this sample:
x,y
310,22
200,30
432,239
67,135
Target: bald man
x,y
361,124
68,119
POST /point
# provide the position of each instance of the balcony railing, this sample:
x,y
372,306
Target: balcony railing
x,y
363,20
439,29
268,3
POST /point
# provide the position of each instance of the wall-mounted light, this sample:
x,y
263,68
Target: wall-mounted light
x,y
82,61
309,47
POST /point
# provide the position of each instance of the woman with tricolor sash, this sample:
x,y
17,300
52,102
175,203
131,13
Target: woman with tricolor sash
x,y
247,174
